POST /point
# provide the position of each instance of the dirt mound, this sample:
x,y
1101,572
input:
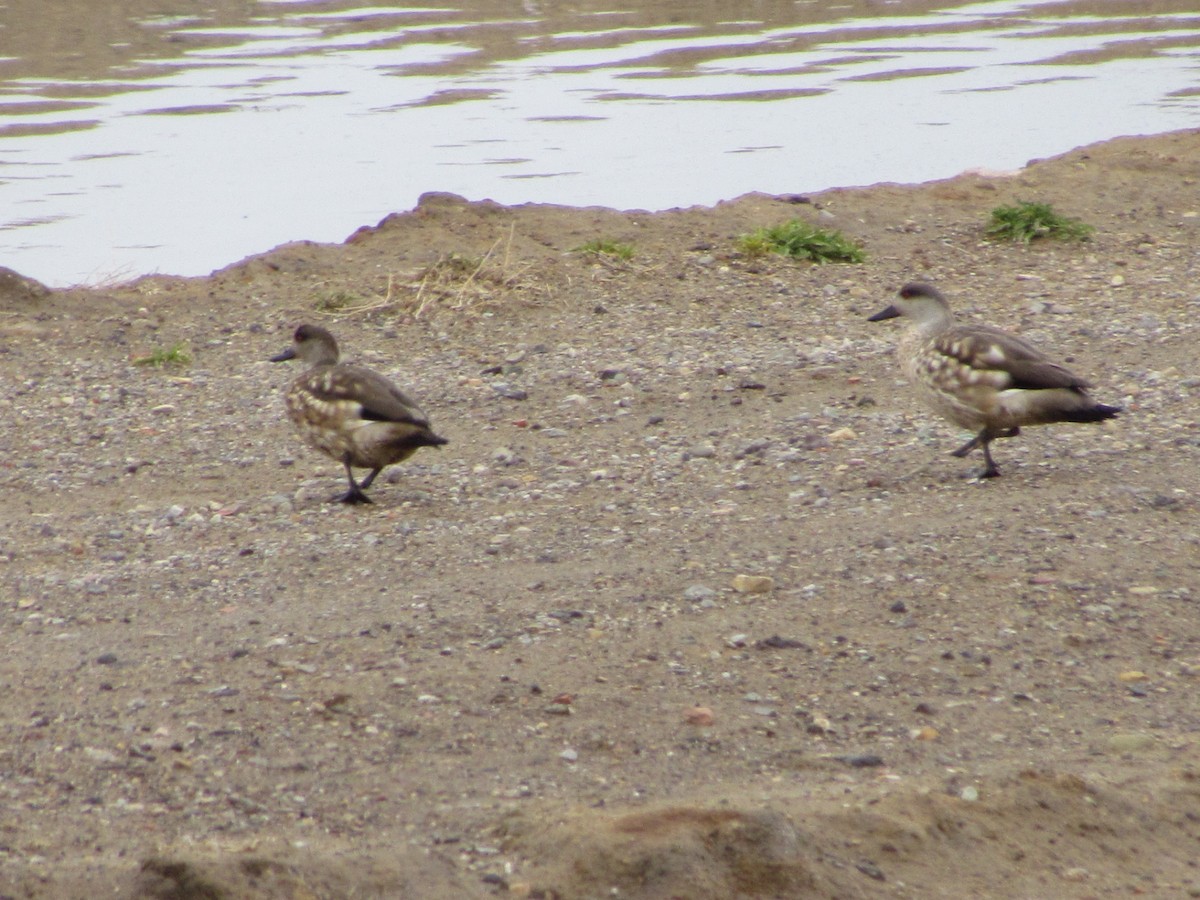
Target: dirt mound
x,y
1036,834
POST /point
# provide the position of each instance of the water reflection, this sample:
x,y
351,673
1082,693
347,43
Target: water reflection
x,y
332,114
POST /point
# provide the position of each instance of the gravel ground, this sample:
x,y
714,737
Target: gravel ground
x,y
695,603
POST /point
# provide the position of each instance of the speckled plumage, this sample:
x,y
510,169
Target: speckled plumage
x,y
984,379
351,413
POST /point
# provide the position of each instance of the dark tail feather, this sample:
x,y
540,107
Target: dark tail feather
x,y
429,439
1097,413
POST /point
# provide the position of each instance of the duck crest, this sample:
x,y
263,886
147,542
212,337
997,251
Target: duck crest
x,y
982,378
351,413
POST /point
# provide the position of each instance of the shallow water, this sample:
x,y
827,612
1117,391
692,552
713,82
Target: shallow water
x,y
149,138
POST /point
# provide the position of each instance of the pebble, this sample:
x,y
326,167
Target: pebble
x,y
100,756
862,760
1131,742
778,642
753,584
699,716
870,870
697,593
754,448
569,755
505,456
508,392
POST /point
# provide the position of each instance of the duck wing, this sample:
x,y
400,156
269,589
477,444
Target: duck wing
x,y
377,398
983,348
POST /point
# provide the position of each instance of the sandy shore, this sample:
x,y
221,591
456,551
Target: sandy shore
x,y
530,668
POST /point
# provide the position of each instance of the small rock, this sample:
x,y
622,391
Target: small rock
x,y
871,870
970,793
569,755
698,592
862,760
777,642
698,716
508,392
753,584
1130,743
754,448
820,725
505,457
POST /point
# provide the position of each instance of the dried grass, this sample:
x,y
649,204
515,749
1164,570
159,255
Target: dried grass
x,y
454,283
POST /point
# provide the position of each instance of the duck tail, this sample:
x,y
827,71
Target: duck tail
x,y
429,439
1097,412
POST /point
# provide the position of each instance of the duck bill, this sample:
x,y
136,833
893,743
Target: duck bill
x,y
289,353
890,313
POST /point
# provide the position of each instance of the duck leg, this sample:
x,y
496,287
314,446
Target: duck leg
x,y
983,439
968,446
355,494
990,469
979,439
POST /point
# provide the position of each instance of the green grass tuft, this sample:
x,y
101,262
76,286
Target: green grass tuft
x,y
1027,221
800,240
175,355
606,247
